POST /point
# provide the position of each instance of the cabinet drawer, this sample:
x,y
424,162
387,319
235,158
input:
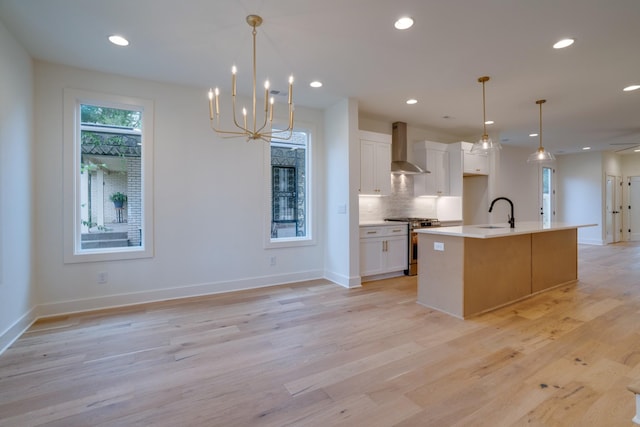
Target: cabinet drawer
x,y
384,231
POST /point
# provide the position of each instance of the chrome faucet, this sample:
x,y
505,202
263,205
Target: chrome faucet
x,y
512,220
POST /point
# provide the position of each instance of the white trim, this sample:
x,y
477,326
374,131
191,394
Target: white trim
x,y
310,196
19,327
71,180
202,289
591,242
344,281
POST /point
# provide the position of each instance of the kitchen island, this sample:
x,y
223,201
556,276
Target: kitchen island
x,y
471,269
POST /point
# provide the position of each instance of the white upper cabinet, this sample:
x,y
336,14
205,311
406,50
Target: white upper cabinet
x,y
474,164
433,157
375,163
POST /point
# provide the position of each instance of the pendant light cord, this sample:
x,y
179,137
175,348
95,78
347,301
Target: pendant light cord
x,y
540,102
484,113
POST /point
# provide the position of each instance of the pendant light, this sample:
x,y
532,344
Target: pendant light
x,y
485,145
541,155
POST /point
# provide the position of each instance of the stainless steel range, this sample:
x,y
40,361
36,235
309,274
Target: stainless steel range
x,y
414,224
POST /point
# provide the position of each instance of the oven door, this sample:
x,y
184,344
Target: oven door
x,y
413,253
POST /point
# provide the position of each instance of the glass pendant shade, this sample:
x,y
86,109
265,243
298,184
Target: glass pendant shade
x,y
485,145
541,155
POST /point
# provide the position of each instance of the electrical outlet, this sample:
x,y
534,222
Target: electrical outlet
x,y
273,260
103,277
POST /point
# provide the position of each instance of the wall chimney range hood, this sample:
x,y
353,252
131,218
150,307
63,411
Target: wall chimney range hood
x,y
399,163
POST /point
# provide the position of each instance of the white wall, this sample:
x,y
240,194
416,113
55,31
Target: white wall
x,y
17,298
341,258
518,181
581,193
209,204
631,165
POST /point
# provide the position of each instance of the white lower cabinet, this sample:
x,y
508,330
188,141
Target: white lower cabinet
x,y
383,249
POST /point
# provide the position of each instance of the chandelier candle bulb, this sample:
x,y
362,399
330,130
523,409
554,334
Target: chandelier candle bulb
x,y
290,89
271,109
210,104
244,113
234,70
217,93
266,96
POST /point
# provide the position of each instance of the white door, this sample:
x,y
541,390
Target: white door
x,y
633,207
617,232
613,196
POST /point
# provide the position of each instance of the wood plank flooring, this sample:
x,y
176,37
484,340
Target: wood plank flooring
x,y
315,354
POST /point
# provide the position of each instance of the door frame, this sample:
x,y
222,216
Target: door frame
x,y
552,198
613,209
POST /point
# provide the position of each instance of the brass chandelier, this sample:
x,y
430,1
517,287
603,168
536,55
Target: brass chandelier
x,y
256,131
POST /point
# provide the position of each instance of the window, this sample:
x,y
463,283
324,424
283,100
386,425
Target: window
x,y
107,177
289,195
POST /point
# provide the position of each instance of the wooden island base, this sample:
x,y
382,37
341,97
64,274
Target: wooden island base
x,y
474,275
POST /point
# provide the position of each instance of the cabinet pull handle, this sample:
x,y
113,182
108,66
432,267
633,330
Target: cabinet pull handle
x,y
397,230
372,232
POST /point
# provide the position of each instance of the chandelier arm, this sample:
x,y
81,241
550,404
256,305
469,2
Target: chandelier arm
x,y
235,121
264,124
233,133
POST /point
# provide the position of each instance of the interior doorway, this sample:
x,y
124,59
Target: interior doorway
x,y
613,219
547,195
633,207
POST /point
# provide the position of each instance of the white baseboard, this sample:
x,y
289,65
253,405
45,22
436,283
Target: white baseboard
x,y
123,300
18,328
342,280
596,242
14,332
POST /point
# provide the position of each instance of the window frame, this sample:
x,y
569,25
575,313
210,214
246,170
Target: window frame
x,y
311,212
73,253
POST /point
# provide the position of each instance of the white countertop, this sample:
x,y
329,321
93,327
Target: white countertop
x,y
486,231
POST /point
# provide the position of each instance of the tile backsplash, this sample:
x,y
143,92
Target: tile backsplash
x,y
401,202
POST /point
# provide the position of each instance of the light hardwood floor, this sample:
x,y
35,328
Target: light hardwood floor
x,y
315,354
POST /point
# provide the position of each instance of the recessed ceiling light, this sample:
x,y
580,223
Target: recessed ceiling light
x,y
403,23
315,83
630,88
118,40
637,150
533,134
489,122
412,101
563,43
586,148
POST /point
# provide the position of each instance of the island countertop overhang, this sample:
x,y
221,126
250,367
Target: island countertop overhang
x,y
487,231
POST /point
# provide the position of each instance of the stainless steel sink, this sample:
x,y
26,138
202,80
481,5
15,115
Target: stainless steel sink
x,y
489,226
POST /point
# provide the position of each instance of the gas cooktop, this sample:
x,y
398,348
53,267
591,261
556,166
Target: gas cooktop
x,y
417,222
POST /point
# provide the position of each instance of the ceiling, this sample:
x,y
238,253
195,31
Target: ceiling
x,y
353,48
